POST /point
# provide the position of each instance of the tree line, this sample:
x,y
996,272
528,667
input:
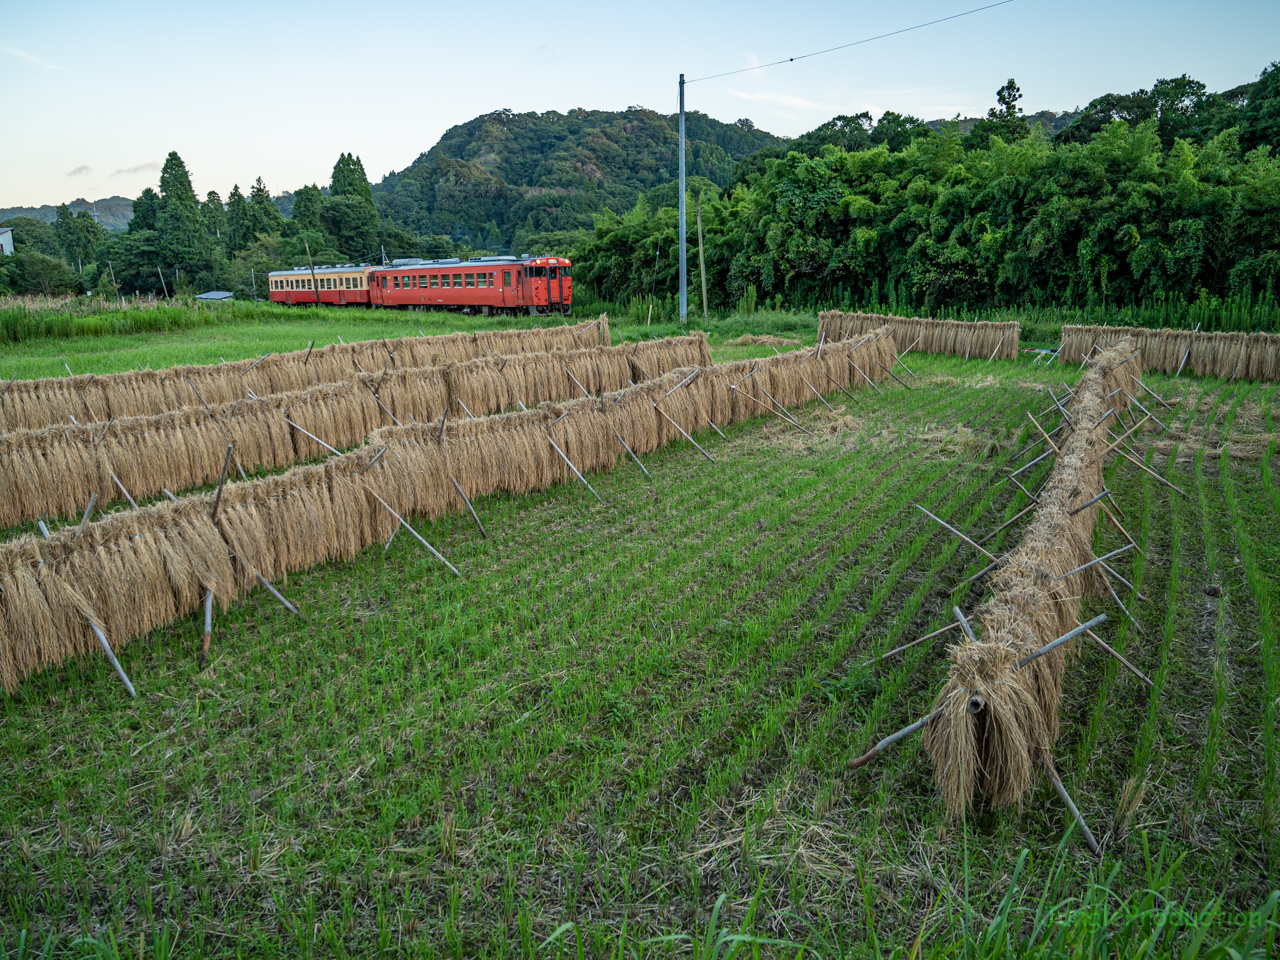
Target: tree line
x,y
177,242
1172,192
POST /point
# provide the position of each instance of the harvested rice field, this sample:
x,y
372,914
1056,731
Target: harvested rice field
x,y
625,729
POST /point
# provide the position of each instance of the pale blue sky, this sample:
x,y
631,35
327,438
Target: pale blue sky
x,y
93,95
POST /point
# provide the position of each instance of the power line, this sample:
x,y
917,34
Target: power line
x,y
846,46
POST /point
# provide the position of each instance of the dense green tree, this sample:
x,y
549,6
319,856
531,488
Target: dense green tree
x,y
307,209
215,216
146,211
352,222
264,219
350,180
1004,120
175,181
1260,118
34,272
896,130
238,220
35,234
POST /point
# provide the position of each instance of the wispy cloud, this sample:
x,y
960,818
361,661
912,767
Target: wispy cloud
x,y
150,165
81,170
784,99
30,58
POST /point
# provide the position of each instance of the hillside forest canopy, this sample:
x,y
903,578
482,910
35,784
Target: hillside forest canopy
x,y
1171,192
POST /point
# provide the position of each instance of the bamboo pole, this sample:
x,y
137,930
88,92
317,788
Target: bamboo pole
x,y
276,593
889,372
1115,653
1090,502
467,501
93,498
1054,644
1071,807
217,500
120,487
718,430
311,435
208,628
1008,522
866,378
1143,466
682,433
1119,440
575,470
890,740
631,452
404,523
838,387
964,624
907,646
1112,516
1142,407
992,557
1085,566
1053,446
106,648
1135,380
996,350
815,393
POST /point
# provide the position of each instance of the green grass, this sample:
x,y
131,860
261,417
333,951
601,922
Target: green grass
x,y
625,712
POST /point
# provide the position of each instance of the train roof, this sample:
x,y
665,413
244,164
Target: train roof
x,y
327,268
472,261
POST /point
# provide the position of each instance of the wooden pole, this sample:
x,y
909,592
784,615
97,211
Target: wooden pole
x,y
404,523
314,282
1011,520
718,430
631,452
162,283
996,350
1115,653
467,501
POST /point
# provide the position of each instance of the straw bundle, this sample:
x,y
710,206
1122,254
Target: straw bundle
x,y
31,404
52,471
964,338
1253,356
135,571
998,722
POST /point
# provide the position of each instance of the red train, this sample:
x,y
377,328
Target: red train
x,y
535,286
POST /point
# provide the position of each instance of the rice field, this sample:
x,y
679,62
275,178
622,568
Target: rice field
x,y
633,716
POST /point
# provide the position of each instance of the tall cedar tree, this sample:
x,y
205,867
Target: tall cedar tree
x,y
215,216
184,244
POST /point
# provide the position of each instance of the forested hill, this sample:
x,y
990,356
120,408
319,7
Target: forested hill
x,y
112,212
508,180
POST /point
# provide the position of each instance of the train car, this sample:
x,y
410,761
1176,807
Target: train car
x,y
346,284
536,286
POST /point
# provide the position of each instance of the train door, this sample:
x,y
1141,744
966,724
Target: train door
x,y
555,288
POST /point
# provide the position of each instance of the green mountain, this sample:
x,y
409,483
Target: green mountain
x,y
112,212
515,181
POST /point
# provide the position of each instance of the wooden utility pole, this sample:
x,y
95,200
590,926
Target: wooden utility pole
x,y
702,260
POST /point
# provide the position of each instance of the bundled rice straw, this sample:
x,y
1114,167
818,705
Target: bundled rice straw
x,y
1252,356
135,571
32,404
52,471
996,748
979,339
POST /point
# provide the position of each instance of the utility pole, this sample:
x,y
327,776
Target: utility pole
x,y
684,272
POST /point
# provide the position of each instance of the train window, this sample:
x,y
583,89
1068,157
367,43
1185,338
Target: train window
x,y
422,281
384,283
435,280
566,271
506,278
471,279
540,272
457,281
481,280
553,274
395,282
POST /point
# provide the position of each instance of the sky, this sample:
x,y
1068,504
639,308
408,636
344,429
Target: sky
x,y
93,96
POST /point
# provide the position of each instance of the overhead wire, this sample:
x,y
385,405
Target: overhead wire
x,y
846,46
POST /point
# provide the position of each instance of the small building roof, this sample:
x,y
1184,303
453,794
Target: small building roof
x,y
216,295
